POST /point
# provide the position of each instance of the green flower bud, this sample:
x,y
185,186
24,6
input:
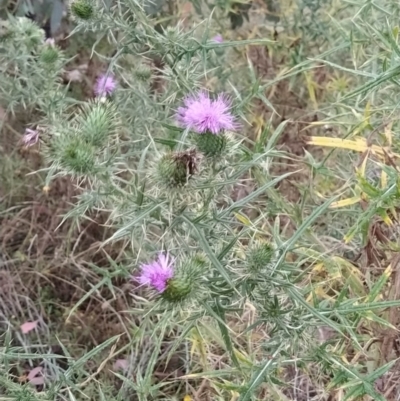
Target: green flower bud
x,y
178,289
96,122
175,169
259,257
82,9
210,144
74,155
186,282
143,72
172,33
49,54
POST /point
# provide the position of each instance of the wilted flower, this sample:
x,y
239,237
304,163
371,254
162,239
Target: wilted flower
x,y
218,38
175,169
202,114
30,137
157,273
105,85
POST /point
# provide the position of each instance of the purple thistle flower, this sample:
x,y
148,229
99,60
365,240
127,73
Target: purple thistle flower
x,y
30,137
202,114
158,272
218,38
105,85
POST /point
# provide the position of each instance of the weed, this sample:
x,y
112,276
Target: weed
x,y
180,245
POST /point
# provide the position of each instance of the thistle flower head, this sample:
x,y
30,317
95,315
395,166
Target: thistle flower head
x,y
105,85
97,121
202,114
30,137
50,52
178,289
74,155
82,9
259,257
218,38
186,283
143,72
211,145
157,273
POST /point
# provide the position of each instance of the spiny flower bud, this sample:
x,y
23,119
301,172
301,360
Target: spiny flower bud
x,y
143,72
175,169
97,122
172,33
185,282
178,289
210,144
82,9
259,257
49,53
74,155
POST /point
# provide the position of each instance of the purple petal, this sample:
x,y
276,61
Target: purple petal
x,y
157,273
36,381
202,114
121,364
30,137
105,85
218,38
28,326
34,372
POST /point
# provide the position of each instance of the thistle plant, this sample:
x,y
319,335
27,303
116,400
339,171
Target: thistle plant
x,y
259,257
31,69
147,151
